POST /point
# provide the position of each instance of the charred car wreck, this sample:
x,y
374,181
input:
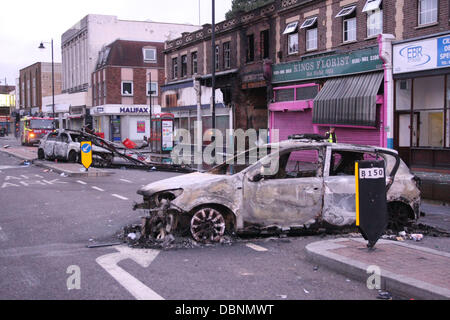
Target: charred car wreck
x,y
313,185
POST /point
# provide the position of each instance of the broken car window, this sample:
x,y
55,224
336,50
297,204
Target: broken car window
x,y
343,162
298,164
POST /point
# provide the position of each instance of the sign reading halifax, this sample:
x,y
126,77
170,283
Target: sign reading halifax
x,y
330,66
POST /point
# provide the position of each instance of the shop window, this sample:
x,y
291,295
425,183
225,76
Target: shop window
x,y
217,58
429,112
174,68
428,10
265,45
447,116
127,88
374,23
226,55
194,62
183,66
250,48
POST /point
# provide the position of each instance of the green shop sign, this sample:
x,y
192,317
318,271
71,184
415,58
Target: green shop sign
x,y
330,66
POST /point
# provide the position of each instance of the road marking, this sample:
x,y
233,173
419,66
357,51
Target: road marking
x,y
3,236
256,247
98,189
120,197
81,182
135,287
125,180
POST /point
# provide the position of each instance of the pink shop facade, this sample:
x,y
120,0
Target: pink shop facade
x,y
345,91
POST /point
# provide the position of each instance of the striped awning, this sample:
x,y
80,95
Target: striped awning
x,y
348,100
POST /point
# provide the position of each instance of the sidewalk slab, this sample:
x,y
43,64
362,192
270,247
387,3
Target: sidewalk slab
x,y
406,270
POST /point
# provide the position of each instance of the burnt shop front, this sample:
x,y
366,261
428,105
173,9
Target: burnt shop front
x,y
344,91
120,122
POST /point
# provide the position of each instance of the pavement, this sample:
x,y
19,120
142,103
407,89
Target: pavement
x,y
406,270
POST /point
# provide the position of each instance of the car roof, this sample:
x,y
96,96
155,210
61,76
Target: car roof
x,y
299,143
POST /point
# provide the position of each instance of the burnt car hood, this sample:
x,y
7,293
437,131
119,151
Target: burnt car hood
x,y
187,181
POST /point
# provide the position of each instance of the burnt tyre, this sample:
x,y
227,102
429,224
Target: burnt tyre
x,y
399,216
41,154
207,225
73,156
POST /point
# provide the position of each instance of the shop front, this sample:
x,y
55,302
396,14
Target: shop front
x,y
120,122
421,69
343,91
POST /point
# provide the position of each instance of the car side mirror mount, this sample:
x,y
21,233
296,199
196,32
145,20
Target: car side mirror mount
x,y
256,178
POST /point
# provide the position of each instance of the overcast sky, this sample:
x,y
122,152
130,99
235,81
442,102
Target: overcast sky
x,y
25,23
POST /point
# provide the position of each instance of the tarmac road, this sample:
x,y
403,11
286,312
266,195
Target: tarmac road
x,y
47,220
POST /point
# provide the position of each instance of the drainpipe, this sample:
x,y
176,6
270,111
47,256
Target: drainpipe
x,y
385,52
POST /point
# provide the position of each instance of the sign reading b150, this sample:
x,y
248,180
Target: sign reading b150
x,y
422,55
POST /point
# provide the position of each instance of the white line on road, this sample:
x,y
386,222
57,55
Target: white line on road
x,y
81,182
125,180
256,247
98,189
135,287
120,197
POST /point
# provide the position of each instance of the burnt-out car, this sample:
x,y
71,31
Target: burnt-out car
x,y
313,185
66,145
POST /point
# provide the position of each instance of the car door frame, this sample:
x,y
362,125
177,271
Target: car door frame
x,y
309,194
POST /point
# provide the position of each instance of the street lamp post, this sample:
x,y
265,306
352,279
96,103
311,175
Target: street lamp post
x,y
150,93
41,46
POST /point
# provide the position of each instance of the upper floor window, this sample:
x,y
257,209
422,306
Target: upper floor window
x,y
194,61
217,58
127,88
149,55
374,23
174,68
184,66
311,33
250,48
226,55
428,10
152,88
374,17
349,23
265,44
291,31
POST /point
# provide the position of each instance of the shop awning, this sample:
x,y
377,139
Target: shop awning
x,y
348,101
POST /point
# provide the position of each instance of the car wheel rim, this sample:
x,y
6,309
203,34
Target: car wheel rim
x,y
207,225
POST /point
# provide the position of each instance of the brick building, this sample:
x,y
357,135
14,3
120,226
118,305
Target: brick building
x,y
125,73
330,63
35,83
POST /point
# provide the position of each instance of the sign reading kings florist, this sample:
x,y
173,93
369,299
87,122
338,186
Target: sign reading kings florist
x,y
330,66
422,55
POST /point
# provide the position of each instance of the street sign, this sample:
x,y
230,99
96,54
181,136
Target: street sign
x,y
86,154
371,207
